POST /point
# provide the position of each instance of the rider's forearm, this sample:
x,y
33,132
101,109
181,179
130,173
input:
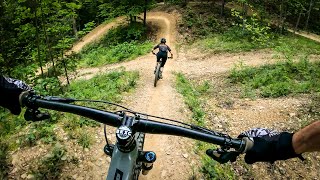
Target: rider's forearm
x,y
307,139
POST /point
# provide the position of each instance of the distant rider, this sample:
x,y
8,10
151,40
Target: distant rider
x,y
162,53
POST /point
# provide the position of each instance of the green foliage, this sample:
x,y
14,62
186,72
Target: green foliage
x,y
213,170
48,86
191,94
9,124
279,79
253,28
107,55
104,87
84,139
201,21
87,28
43,131
52,165
4,160
107,87
125,42
234,40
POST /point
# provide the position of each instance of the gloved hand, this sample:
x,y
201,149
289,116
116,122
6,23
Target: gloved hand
x,y
269,146
10,89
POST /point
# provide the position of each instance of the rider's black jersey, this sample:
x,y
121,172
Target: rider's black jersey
x,y
163,49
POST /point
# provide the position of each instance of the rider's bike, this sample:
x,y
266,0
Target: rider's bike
x,y
127,155
158,72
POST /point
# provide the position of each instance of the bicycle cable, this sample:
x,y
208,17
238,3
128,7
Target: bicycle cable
x,y
192,126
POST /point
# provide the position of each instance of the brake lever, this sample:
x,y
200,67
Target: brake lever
x,y
222,156
35,115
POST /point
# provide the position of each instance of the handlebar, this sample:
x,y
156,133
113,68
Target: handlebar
x,y
33,101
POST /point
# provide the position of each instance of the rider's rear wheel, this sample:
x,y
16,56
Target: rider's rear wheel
x,y
138,166
156,75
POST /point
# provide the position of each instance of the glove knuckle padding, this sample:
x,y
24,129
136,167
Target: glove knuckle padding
x,y
10,89
269,146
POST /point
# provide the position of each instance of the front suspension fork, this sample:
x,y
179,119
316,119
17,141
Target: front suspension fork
x,y
147,158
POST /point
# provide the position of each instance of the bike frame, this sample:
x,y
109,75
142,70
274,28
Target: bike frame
x,y
122,164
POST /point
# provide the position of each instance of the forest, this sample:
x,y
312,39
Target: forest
x,y
237,64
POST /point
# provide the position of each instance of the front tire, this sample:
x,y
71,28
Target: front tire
x,y
156,78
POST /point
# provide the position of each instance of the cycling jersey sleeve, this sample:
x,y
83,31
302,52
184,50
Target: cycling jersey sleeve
x,y
169,48
157,46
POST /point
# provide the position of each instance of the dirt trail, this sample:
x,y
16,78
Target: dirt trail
x,y
307,35
172,152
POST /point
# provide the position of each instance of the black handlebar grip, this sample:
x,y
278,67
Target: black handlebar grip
x,y
222,156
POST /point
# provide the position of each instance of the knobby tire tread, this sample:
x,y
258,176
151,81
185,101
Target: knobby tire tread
x,y
156,78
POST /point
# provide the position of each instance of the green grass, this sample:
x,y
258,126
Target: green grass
x,y
122,43
51,166
280,79
4,160
110,87
232,41
113,54
85,139
193,94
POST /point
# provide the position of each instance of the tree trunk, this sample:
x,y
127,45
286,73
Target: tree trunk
x,y
47,42
145,13
38,41
308,17
298,22
74,27
222,8
65,68
281,17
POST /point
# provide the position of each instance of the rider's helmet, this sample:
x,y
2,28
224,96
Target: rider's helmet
x,y
163,40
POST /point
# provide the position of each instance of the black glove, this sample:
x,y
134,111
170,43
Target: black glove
x,y
269,146
10,89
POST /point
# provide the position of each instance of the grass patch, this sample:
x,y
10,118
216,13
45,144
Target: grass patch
x,y
280,79
85,139
193,94
19,133
52,165
107,87
4,160
108,55
233,41
104,87
43,131
122,43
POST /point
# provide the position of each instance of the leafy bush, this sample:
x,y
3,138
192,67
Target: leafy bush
x,y
256,30
87,28
48,86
